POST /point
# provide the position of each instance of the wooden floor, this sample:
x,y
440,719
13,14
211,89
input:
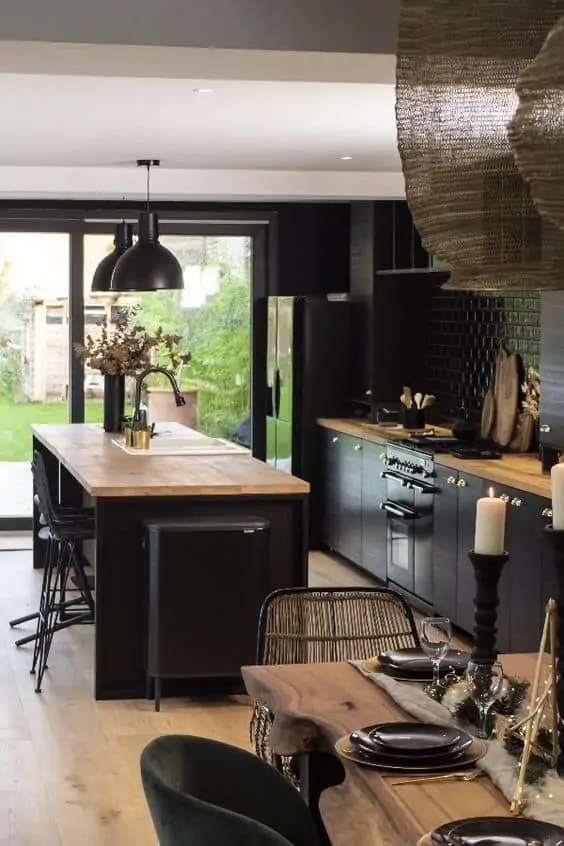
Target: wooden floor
x,y
69,766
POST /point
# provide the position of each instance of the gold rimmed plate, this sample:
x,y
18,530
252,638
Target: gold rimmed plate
x,y
474,752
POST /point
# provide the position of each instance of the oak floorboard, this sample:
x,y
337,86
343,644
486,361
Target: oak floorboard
x,y
69,766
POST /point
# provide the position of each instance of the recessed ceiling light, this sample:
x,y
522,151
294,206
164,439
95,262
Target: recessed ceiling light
x,y
204,90
346,158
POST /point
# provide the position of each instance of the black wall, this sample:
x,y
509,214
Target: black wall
x,y
408,330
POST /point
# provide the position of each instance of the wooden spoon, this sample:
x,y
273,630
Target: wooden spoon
x,y
418,399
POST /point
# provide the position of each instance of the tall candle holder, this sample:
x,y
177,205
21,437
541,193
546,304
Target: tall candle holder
x,y
487,569
556,538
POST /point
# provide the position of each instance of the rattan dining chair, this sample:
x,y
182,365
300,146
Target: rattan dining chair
x,y
317,625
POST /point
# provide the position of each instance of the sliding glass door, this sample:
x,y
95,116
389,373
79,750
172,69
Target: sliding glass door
x,y
46,269
211,316
34,353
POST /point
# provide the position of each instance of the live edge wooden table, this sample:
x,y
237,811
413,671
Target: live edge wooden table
x,y
84,466
315,704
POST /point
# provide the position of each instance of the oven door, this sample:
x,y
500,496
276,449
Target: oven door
x,y
402,516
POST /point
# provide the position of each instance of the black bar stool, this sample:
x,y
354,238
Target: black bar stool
x,y
44,535
62,561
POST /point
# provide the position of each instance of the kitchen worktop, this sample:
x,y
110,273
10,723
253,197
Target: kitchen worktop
x,y
520,471
105,470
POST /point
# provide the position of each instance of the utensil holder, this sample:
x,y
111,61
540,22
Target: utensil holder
x,y
556,539
414,418
487,569
141,439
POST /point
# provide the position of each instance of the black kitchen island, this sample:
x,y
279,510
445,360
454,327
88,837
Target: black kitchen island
x,y
85,466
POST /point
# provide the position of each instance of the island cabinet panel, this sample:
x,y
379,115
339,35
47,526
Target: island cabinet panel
x,y
374,525
445,543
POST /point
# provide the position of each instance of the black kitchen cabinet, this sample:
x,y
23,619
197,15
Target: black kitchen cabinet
x,y
445,543
552,370
350,522
373,549
388,306
331,474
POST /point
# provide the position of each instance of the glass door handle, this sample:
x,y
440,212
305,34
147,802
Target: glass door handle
x,y
277,391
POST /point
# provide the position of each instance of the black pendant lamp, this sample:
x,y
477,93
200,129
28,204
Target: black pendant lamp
x,y
123,240
147,266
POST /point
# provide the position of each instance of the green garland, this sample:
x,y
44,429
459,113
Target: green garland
x,y
539,761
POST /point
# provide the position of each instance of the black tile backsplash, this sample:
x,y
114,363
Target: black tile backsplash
x,y
465,332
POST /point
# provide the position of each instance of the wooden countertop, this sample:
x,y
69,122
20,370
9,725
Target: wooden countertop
x,y
522,472
105,470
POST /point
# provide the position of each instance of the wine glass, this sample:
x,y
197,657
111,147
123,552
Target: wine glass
x,y
435,635
485,682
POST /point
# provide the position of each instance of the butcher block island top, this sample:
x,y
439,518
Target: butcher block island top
x,y
105,470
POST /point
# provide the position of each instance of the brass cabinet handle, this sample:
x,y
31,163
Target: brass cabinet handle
x,y
451,480
357,447
546,512
516,502
504,498
334,440
462,483
368,393
545,428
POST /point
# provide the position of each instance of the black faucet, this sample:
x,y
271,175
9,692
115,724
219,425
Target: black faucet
x,y
178,398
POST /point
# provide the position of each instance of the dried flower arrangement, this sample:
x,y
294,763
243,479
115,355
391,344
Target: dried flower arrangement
x,y
128,349
531,393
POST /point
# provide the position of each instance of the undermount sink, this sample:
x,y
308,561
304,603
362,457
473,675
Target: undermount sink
x,y
167,443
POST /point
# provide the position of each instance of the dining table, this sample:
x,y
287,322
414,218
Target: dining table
x,y
314,705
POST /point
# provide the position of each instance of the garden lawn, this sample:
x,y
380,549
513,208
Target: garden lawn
x,y
16,419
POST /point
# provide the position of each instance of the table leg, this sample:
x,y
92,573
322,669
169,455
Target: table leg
x,y
318,771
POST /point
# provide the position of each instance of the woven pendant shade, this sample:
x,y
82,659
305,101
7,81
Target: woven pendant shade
x,y
457,67
536,132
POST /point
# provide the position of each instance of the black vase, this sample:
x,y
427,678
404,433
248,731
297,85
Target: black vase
x,y
114,402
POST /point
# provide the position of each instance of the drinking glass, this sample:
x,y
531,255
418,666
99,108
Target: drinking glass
x,y
435,634
485,683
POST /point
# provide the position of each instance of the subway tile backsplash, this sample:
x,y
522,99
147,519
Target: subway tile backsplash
x,y
465,331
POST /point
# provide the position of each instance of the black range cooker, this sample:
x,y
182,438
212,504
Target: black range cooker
x,y
408,505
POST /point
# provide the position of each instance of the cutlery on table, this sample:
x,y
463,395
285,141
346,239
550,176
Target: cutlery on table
x,y
462,776
418,399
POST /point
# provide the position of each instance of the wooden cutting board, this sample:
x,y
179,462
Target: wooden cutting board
x,y
506,393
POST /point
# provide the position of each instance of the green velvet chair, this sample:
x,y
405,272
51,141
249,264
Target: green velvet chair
x,y
202,792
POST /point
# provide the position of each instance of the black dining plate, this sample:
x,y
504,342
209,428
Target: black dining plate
x,y
469,756
412,755
501,831
416,738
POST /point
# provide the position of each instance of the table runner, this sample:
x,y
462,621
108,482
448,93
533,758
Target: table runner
x,y
545,800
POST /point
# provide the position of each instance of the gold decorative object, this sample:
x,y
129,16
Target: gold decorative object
x,y
543,707
458,62
536,132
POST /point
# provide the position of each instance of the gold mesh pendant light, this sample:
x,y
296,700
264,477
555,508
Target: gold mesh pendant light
x,y
536,132
457,67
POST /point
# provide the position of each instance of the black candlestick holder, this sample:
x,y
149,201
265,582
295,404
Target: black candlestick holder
x,y
487,569
556,538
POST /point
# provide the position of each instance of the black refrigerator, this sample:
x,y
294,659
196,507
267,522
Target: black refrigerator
x,y
307,377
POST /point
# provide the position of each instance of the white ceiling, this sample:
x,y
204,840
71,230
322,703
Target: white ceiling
x,y
247,132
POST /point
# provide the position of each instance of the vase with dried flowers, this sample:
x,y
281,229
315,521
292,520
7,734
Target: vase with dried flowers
x,y
125,351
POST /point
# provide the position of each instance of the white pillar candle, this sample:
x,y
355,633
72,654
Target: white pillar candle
x,y
557,482
490,525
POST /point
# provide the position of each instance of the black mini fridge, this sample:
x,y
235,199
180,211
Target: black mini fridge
x,y
206,581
